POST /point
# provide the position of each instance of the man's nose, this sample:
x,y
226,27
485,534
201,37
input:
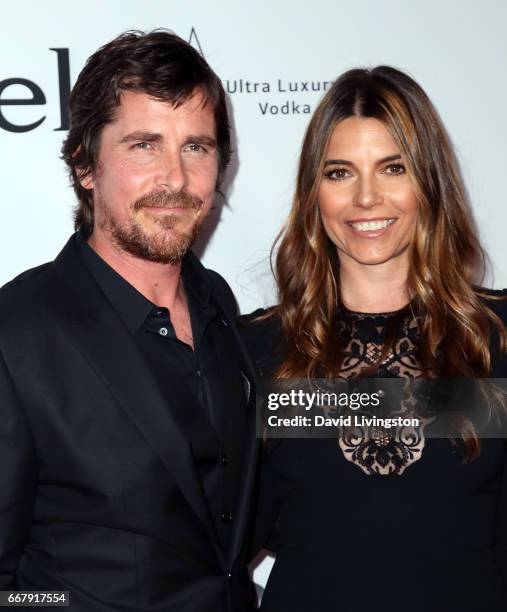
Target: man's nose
x,y
172,174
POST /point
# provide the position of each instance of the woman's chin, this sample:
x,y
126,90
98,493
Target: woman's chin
x,y
376,258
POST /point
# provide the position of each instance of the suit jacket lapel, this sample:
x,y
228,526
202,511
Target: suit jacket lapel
x,y
113,355
251,445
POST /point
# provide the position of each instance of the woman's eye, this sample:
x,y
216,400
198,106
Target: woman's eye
x,y
337,174
395,169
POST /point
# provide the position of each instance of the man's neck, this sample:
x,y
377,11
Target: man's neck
x,y
159,283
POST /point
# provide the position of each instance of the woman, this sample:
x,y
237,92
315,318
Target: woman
x,y
376,269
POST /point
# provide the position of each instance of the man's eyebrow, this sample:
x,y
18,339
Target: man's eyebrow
x,y
144,136
141,136
202,139
345,162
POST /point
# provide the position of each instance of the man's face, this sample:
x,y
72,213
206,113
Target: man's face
x,y
155,177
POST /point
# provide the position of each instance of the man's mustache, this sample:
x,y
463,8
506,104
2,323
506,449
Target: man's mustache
x,y
168,199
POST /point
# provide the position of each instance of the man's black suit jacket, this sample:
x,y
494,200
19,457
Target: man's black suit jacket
x,y
99,494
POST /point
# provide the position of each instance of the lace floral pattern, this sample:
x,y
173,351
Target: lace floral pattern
x,y
376,450
367,334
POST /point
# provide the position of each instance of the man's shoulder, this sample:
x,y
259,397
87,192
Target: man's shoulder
x,y
194,268
24,301
34,291
39,282
262,323
261,332
28,286
219,281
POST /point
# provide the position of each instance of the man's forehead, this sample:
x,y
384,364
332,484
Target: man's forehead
x,y
131,101
139,110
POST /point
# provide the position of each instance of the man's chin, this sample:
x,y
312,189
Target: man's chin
x,y
159,248
162,218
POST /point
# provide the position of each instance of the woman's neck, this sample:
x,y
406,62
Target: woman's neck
x,y
374,288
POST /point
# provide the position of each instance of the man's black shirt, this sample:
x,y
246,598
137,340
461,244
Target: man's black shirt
x,y
202,386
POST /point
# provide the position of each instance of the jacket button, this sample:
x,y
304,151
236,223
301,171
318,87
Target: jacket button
x,y
226,517
224,460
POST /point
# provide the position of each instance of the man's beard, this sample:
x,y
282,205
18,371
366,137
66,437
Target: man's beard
x,y
168,246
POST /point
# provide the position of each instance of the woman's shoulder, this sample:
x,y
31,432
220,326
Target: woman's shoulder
x,y
496,300
261,332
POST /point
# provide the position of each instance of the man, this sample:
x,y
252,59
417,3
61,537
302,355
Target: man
x,y
127,447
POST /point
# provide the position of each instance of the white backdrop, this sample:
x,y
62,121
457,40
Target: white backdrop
x,y
456,49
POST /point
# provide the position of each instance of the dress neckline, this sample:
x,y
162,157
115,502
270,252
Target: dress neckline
x,y
376,314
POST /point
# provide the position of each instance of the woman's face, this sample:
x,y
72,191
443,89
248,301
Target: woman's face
x,y
366,199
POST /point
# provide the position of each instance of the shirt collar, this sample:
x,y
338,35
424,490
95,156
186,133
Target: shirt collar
x,y
131,305
196,281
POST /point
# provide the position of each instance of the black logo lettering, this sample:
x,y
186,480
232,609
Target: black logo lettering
x,y
37,98
63,86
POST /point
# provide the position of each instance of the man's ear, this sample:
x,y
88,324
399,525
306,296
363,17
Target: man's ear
x,y
85,179
83,175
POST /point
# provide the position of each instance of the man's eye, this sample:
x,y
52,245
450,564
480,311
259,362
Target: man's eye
x,y
195,147
145,146
337,174
395,169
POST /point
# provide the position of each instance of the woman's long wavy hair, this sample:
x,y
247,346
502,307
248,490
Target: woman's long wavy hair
x,y
446,258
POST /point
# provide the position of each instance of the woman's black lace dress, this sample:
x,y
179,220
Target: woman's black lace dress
x,y
378,450
386,521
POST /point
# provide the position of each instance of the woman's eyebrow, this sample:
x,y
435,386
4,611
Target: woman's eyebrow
x,y
345,162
